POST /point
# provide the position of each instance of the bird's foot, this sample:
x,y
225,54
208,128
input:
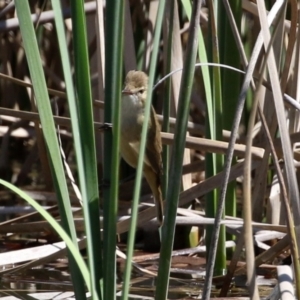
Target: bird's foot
x,y
105,126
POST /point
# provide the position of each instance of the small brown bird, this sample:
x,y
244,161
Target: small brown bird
x,y
134,97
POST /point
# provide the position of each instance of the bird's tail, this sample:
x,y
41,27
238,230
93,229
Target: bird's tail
x,y
155,185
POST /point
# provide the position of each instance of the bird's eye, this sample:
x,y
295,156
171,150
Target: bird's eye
x,y
141,91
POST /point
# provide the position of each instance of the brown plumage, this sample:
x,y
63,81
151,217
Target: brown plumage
x,y
132,117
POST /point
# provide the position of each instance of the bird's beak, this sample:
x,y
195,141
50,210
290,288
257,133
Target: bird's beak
x,y
127,92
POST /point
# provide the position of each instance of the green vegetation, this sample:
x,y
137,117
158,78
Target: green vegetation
x,y
224,160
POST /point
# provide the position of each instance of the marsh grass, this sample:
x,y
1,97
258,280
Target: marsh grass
x,y
74,68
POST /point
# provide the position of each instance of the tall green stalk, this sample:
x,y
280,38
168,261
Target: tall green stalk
x,y
167,90
49,130
137,188
89,178
114,38
168,229
214,162
229,55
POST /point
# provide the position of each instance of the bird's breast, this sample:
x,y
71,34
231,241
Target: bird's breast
x,y
132,118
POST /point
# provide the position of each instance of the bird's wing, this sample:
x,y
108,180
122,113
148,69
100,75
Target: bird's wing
x,y
154,147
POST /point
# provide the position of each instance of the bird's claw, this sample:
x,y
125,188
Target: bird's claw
x,y
105,126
